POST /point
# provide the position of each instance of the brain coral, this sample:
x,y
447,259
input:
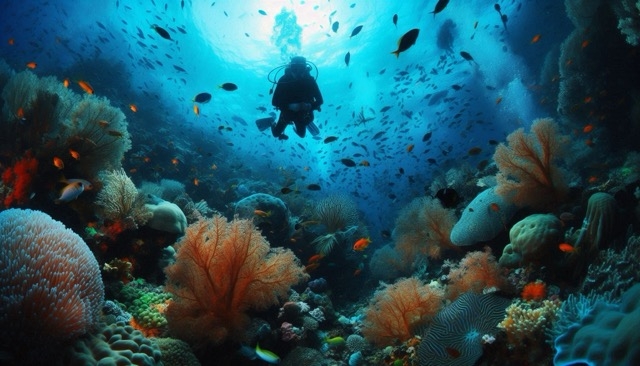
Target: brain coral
x,y
531,239
50,285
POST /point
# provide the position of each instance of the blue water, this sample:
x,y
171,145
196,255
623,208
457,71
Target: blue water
x,y
113,46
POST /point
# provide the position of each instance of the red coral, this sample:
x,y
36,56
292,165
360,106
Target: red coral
x,y
397,310
534,291
528,175
476,272
19,178
222,270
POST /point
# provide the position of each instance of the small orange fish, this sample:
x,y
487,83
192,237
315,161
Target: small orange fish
x,y
588,128
32,65
567,248
85,86
592,179
587,99
196,182
262,213
364,163
103,123
20,113
11,41
357,272
361,244
146,159
410,147
74,154
585,43
196,110
569,62
175,161
133,108
535,38
494,207
58,163
65,83
133,170
315,258
589,142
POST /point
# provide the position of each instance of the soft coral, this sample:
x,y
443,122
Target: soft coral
x,y
477,272
528,175
396,311
222,270
19,178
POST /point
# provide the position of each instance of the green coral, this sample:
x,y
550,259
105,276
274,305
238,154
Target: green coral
x,y
145,303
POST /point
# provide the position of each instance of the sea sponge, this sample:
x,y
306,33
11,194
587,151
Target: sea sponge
x,y
598,223
483,219
167,216
50,285
273,219
532,239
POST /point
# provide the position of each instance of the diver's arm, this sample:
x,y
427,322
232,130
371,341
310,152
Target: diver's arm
x,y
317,96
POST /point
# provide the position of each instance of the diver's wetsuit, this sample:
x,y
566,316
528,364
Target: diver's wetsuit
x,y
292,89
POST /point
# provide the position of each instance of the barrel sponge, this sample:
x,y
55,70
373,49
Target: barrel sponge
x,y
532,238
608,335
51,290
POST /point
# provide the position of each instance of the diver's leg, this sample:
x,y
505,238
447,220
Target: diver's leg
x,y
301,128
279,127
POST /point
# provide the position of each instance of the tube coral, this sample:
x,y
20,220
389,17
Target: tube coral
x,y
528,175
222,270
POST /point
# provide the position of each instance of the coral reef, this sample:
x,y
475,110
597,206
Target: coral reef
x,y
17,180
457,333
598,224
532,240
268,213
606,335
483,219
121,203
50,285
115,344
528,174
477,272
398,310
422,230
222,270
526,323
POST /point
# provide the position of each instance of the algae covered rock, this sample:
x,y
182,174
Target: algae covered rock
x,y
531,240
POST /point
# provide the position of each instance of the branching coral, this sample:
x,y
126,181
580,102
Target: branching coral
x,y
222,270
423,229
396,311
528,173
476,272
339,215
526,323
121,202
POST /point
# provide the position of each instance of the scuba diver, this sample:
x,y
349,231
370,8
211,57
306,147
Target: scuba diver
x,y
296,96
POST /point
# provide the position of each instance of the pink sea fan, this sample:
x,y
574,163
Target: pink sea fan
x,y
51,290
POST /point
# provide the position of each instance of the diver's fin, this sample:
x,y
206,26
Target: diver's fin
x,y
264,123
313,129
